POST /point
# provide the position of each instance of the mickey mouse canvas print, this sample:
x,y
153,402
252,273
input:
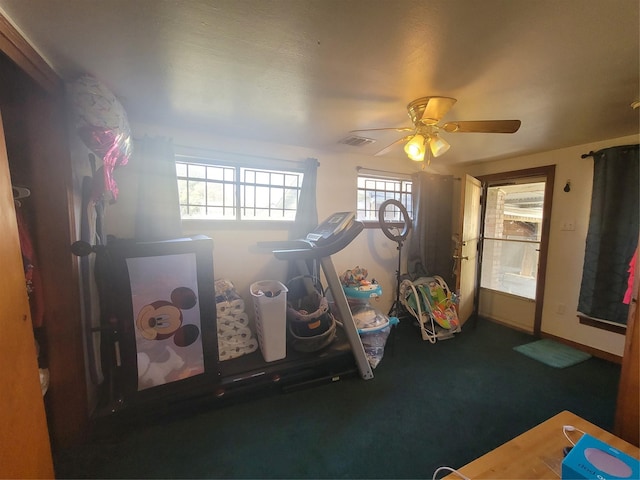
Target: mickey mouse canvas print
x,y
167,318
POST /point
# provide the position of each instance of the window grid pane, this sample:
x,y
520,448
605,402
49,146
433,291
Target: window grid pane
x,y
222,192
265,196
205,191
373,192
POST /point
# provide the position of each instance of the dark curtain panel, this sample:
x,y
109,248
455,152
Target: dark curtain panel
x,y
613,233
307,212
430,245
158,206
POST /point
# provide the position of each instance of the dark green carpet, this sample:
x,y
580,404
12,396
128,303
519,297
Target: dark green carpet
x,y
428,405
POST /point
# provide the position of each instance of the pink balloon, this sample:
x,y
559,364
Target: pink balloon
x,y
102,125
113,148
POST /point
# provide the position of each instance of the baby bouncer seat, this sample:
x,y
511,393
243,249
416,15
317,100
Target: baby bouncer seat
x,y
432,303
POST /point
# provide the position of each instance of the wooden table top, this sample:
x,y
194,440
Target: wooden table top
x,y
537,453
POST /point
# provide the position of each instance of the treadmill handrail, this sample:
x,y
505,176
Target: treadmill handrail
x,y
320,251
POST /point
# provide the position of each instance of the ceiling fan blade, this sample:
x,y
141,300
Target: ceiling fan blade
x,y
437,107
482,126
397,129
389,147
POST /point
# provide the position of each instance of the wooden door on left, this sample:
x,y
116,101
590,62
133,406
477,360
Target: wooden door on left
x,y
24,436
466,251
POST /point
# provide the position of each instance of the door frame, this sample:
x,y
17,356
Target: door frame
x,y
547,171
46,167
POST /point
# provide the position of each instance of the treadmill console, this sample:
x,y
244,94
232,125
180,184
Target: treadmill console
x,y
331,227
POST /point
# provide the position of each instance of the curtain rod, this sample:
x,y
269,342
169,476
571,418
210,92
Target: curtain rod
x,y
206,153
592,153
373,170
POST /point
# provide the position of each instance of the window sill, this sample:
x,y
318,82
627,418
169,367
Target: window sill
x,y
376,224
194,224
602,324
370,223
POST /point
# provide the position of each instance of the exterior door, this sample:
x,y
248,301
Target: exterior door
x,y
24,437
467,247
515,235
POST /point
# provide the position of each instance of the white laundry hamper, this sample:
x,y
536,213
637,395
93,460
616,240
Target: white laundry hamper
x,y
270,305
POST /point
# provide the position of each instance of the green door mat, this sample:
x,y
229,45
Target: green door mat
x,y
552,353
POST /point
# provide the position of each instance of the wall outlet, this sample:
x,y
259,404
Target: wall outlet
x,y
568,225
561,308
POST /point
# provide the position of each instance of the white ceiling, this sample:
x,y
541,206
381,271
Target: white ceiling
x,y
306,72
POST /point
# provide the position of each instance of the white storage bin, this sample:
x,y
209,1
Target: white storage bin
x,y
270,305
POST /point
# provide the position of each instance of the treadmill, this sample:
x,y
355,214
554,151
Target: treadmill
x,y
344,356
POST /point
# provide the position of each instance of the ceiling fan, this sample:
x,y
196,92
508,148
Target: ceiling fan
x,y
425,114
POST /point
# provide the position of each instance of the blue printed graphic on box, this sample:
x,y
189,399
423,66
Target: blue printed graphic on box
x,y
594,459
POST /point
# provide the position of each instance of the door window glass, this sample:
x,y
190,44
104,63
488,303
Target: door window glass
x,y
512,235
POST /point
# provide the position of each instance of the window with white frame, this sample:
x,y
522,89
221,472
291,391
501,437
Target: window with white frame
x,y
374,190
217,189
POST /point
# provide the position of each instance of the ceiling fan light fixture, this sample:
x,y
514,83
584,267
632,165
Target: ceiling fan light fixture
x,y
438,146
419,157
426,113
415,148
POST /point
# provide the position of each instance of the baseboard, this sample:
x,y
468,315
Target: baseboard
x,y
507,324
610,357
